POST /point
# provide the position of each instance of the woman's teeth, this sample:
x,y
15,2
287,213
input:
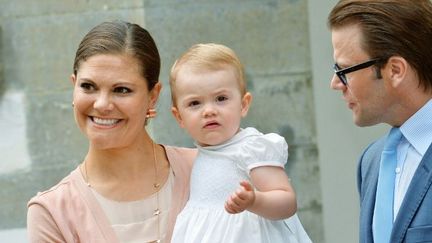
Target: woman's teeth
x,y
105,122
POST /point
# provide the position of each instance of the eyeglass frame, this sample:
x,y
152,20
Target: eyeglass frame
x,y
341,73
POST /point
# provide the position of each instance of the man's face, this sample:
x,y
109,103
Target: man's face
x,y
364,94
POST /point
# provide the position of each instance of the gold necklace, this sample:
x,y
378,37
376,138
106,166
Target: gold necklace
x,y
86,176
156,186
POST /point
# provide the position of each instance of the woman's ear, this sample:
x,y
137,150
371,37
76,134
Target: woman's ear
x,y
154,94
177,116
245,103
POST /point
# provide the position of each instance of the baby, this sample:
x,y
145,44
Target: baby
x,y
239,189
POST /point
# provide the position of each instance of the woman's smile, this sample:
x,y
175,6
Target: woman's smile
x,y
105,121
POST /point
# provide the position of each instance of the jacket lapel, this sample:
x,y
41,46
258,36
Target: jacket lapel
x,y
417,189
368,203
368,173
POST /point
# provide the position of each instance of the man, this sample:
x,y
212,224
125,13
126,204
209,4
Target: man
x,y
383,55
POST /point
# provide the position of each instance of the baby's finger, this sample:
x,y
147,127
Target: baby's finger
x,y
233,201
246,185
232,207
244,195
238,197
229,209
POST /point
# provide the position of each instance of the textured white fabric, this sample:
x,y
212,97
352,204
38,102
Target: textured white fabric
x,y
216,174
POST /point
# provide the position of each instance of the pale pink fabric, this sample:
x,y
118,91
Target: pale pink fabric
x,y
69,212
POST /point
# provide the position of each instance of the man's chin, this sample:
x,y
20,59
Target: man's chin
x,y
363,122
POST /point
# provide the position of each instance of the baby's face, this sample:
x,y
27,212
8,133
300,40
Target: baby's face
x,y
209,104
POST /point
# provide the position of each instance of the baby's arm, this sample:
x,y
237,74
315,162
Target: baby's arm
x,y
274,198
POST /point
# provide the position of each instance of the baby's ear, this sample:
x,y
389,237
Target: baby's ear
x,y
177,116
73,79
246,102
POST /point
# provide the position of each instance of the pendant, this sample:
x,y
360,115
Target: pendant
x,y
156,185
155,241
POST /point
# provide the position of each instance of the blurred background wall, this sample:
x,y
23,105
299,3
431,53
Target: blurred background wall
x,y
284,45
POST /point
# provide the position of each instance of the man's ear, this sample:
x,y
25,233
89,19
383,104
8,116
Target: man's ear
x,y
246,102
397,68
177,116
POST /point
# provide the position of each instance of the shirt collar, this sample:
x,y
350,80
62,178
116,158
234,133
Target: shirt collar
x,y
418,128
240,135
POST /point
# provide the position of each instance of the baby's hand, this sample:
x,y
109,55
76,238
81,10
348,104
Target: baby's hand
x,y
241,199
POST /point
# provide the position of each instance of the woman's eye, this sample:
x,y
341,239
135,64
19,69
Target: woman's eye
x,y
87,86
221,98
122,90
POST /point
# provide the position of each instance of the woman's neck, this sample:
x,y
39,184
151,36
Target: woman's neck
x,y
125,174
122,158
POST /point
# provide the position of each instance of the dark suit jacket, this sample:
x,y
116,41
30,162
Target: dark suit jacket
x,y
414,220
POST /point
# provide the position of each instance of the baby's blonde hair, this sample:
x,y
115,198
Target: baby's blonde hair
x,y
209,56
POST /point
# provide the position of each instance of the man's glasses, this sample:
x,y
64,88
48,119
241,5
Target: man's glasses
x,y
341,73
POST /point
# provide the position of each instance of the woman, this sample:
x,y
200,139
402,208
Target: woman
x,y
127,189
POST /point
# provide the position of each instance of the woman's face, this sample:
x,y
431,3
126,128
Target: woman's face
x,y
111,100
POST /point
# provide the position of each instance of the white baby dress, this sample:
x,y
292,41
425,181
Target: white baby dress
x,y
216,174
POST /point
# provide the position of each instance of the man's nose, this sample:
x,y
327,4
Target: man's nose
x,y
336,83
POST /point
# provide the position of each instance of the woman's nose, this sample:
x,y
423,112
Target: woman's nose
x,y
103,103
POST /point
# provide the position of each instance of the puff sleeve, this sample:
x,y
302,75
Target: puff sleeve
x,y
265,150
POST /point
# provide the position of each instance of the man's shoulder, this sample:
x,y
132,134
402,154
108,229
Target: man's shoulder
x,y
373,149
370,158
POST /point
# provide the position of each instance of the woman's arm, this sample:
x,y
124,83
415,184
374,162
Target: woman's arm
x,y
274,198
41,227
